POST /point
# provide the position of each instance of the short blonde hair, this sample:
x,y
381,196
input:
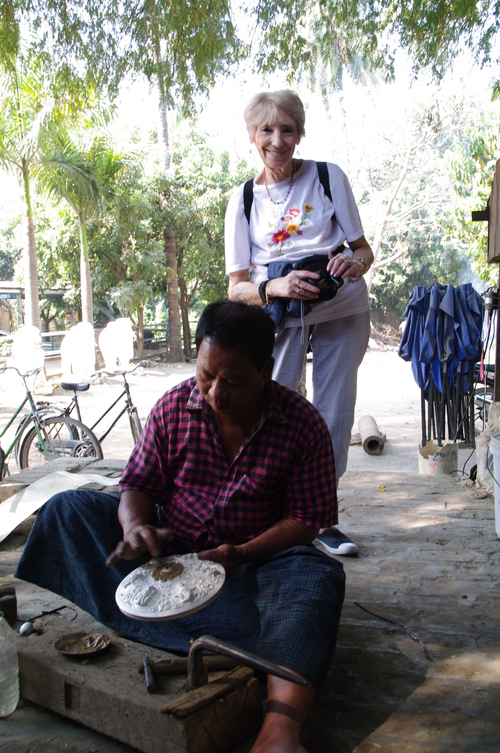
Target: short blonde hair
x,y
266,106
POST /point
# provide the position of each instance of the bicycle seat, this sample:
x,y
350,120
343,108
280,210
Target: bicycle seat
x,y
83,387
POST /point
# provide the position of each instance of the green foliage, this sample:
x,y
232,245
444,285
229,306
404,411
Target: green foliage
x,y
125,239
369,32
430,260
9,34
10,249
336,37
472,164
433,32
183,45
193,199
79,168
126,259
406,201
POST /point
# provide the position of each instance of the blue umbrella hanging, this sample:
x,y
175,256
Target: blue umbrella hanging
x,y
443,341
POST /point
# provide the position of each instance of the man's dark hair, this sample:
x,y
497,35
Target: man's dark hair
x,y
237,326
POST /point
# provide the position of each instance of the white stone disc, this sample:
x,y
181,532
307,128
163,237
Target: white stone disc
x,y
144,595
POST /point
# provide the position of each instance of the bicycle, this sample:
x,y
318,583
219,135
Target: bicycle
x,y
48,438
128,407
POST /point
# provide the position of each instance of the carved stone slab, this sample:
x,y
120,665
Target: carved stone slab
x,y
170,588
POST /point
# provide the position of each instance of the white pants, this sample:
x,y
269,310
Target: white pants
x,y
338,349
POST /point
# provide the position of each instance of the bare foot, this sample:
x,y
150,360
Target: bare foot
x,y
278,735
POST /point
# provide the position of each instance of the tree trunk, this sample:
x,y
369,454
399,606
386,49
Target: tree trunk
x,y
186,329
140,332
163,143
174,341
85,278
31,297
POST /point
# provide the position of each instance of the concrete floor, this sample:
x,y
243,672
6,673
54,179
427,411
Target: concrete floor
x,y
417,665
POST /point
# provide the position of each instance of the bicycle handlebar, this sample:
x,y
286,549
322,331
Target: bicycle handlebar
x,y
144,362
3,369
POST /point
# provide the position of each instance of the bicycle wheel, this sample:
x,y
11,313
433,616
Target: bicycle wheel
x,y
135,424
44,411
62,437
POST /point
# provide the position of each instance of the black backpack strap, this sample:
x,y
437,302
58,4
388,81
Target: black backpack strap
x,y
248,198
324,178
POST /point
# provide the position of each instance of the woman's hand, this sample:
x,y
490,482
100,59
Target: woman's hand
x,y
295,285
343,266
352,268
139,540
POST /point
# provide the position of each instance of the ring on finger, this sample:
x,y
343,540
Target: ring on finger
x,y
299,284
345,259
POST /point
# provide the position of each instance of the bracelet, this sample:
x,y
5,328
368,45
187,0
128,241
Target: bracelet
x,y
262,291
269,300
362,262
264,295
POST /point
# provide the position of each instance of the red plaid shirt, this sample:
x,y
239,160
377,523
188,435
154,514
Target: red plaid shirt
x,y
284,469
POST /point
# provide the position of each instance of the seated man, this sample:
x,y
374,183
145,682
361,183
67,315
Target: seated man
x,y
239,469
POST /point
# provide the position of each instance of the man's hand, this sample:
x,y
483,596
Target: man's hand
x,y
229,556
282,535
139,540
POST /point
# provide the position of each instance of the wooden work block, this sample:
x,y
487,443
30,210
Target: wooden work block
x,y
226,721
192,701
106,692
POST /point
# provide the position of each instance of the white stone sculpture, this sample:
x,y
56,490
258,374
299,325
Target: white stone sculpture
x,y
116,343
27,354
78,353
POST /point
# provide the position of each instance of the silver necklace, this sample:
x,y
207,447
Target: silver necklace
x,y
279,203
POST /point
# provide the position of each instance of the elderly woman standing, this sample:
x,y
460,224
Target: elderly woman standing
x,y
295,209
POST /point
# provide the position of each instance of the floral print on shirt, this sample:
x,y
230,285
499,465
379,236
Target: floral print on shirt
x,y
289,224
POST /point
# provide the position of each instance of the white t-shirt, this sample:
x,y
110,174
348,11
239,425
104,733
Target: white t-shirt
x,y
299,227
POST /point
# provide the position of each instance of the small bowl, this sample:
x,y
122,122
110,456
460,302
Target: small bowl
x,y
82,644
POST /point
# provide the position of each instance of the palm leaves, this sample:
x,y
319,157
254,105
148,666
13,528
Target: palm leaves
x,y
80,172
36,144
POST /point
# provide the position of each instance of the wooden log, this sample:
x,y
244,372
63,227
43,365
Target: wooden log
x,y
371,438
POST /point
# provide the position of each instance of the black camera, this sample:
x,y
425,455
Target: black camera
x,y
327,284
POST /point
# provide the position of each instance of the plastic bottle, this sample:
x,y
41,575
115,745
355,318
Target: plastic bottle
x,y
9,669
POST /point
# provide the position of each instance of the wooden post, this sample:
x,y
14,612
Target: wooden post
x,y
492,215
